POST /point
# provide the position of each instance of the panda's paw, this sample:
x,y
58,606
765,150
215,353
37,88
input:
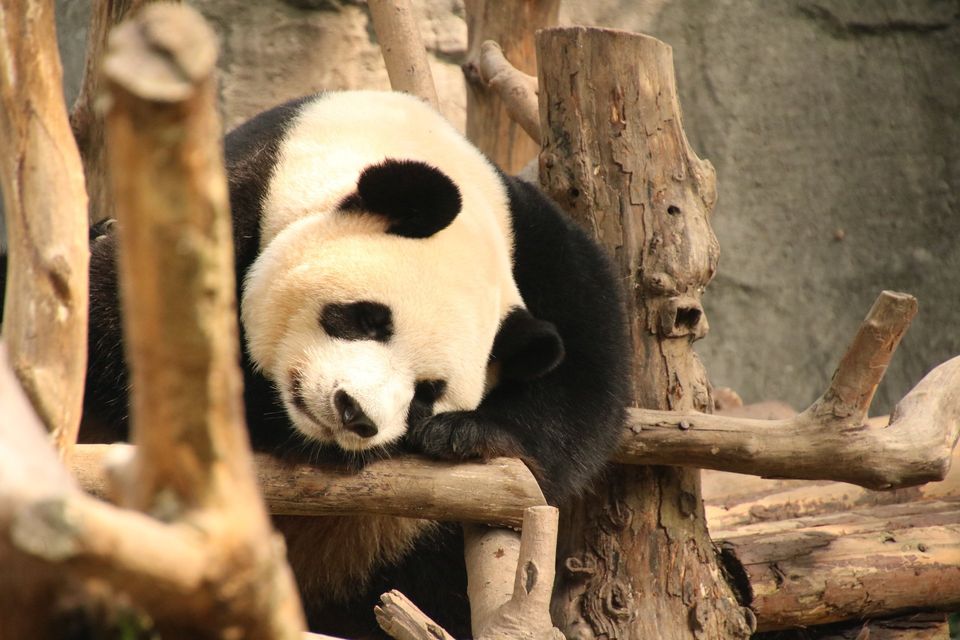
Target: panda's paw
x,y
461,435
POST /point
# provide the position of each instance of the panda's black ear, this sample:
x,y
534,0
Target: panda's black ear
x,y
416,199
526,348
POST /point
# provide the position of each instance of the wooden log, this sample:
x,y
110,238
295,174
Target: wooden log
x,y
517,91
496,492
86,122
917,626
176,272
866,563
402,48
403,620
489,123
45,205
916,447
638,560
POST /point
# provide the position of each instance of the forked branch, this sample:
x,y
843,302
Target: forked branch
x,y
830,440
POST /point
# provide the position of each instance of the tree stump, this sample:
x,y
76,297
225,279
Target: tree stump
x,y
636,559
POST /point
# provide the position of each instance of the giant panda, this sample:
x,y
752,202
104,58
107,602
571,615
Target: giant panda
x,y
398,293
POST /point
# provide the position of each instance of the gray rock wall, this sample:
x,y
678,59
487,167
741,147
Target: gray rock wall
x,y
834,126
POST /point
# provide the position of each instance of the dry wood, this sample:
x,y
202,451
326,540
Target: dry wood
x,y
193,464
496,492
86,122
403,52
526,614
869,562
638,560
917,626
828,441
45,204
490,123
733,499
403,620
517,90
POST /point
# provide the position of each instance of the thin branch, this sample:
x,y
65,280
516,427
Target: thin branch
x,y
403,620
517,90
403,51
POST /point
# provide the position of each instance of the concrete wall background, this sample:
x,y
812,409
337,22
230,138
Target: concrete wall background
x,y
824,119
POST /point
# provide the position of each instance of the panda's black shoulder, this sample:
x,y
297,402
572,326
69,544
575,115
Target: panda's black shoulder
x,y
251,152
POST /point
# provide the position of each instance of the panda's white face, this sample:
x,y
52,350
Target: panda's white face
x,y
360,330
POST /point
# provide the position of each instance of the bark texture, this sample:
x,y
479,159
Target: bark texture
x,y
879,561
512,25
45,311
637,558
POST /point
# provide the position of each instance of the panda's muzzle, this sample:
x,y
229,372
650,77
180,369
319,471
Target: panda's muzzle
x,y
352,416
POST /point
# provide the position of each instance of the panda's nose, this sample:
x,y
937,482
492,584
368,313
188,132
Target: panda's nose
x,y
352,416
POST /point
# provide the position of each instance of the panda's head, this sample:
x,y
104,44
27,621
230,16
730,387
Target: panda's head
x,y
385,310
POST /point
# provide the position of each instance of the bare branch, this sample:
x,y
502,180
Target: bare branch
x,y
516,89
496,492
45,316
402,49
830,440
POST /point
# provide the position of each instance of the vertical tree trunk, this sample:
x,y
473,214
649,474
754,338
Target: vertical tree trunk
x,y
45,316
511,25
636,560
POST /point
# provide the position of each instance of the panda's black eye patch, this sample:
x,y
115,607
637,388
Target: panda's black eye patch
x,y
363,320
429,391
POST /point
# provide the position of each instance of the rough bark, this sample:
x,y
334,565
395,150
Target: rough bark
x,y
45,312
496,492
85,120
878,561
638,561
193,464
403,52
512,25
918,626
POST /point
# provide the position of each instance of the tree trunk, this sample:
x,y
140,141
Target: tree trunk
x,y
511,25
638,561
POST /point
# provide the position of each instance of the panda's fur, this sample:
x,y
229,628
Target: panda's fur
x,y
519,346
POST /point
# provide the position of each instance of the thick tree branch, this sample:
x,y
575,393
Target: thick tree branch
x,y
45,204
403,52
830,440
403,620
496,492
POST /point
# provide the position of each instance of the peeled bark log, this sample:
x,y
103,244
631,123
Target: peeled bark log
x,y
870,562
917,626
512,25
45,314
638,560
496,492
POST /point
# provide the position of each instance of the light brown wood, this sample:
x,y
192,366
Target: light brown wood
x,y
45,206
395,23
916,447
526,613
85,120
869,562
638,561
512,26
517,90
193,464
496,492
